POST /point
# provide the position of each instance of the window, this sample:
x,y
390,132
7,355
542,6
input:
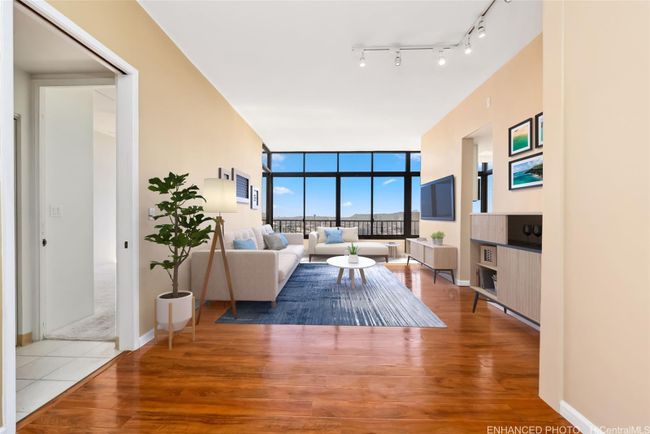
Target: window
x,y
378,192
416,162
320,162
355,162
388,205
287,162
288,204
415,205
320,203
355,203
389,162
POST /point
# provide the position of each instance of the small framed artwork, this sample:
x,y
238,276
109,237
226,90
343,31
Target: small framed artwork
x,y
225,174
520,137
242,186
527,172
255,197
539,130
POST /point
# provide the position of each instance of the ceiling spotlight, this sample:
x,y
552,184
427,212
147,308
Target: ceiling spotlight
x,y
441,58
468,46
481,29
362,60
398,58
507,1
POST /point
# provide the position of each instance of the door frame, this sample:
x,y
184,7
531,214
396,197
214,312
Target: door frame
x,y
127,281
39,328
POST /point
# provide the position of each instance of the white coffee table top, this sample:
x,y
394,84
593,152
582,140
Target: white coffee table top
x,y
342,262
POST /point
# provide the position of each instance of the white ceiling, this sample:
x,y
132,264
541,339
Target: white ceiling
x,y
40,48
289,70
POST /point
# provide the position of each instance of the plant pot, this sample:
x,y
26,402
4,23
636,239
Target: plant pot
x,y
181,309
437,241
353,259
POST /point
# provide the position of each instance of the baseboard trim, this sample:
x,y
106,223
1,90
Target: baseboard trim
x,y
462,282
145,338
578,419
24,339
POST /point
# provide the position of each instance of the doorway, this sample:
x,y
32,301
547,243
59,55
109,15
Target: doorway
x,y
56,195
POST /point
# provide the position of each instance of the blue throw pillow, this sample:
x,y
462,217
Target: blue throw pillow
x,y
247,244
333,236
284,240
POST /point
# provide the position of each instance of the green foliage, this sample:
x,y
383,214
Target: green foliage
x,y
438,235
185,227
353,250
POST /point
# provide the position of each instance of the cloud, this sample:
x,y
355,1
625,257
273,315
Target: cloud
x,y
389,181
282,190
346,204
278,157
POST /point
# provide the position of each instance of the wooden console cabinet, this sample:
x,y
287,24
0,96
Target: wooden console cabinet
x,y
513,278
438,258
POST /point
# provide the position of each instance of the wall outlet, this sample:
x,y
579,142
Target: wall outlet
x,y
55,211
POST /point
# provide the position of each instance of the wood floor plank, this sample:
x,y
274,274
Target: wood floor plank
x,y
481,370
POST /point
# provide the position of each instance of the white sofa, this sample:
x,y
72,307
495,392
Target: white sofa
x,y
257,275
318,247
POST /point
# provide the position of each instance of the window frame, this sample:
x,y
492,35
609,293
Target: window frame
x,y
407,175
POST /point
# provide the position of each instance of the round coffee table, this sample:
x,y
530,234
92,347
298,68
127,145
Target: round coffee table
x,y
342,263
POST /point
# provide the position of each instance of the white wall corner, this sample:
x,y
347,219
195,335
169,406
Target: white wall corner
x,y
578,419
145,339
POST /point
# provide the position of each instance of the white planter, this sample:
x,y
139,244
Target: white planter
x,y
437,241
353,259
181,311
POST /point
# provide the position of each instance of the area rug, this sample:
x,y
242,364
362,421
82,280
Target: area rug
x,y
312,297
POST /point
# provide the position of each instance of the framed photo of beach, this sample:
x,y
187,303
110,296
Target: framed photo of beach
x,y
527,172
520,137
539,130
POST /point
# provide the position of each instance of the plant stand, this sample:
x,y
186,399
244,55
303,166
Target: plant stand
x,y
170,327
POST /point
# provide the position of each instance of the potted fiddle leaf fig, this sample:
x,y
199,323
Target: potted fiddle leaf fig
x,y
181,228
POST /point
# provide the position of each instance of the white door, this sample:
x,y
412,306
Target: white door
x,y
66,205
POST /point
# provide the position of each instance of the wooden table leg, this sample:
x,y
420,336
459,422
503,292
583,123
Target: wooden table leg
x,y
363,275
352,283
338,279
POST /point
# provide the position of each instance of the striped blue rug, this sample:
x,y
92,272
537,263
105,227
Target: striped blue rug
x,y
312,297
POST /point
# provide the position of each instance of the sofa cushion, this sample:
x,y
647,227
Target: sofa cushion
x,y
259,239
248,244
274,242
230,236
350,234
286,262
295,249
333,236
366,248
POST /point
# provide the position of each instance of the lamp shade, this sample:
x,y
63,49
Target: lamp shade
x,y
220,195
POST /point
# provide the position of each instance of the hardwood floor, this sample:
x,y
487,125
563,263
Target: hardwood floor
x,y
480,371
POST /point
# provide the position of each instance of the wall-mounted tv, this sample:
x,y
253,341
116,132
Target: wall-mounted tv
x,y
438,200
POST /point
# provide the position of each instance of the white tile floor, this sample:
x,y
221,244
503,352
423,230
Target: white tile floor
x,y
46,368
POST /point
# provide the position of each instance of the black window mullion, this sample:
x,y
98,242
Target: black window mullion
x,y
338,201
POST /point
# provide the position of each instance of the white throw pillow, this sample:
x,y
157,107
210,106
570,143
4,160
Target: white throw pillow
x,y
267,229
350,235
321,233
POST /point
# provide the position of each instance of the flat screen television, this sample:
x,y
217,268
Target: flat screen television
x,y
437,199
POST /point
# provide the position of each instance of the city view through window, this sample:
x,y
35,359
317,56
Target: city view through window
x,y
377,192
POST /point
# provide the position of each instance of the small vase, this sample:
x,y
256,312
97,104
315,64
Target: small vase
x,y
437,241
353,259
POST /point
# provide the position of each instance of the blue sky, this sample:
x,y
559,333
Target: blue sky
x,y
355,191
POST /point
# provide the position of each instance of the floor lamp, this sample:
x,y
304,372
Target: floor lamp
x,y
219,197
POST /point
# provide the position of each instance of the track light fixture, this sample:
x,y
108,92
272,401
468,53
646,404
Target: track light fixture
x,y
441,58
468,46
480,28
477,30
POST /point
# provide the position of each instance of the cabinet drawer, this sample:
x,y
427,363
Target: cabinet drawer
x,y
491,228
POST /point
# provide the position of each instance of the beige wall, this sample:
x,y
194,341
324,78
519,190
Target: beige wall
x,y
595,346
185,124
515,92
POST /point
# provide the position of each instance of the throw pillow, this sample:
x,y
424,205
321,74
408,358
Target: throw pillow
x,y
283,238
350,235
247,244
334,236
274,242
321,234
